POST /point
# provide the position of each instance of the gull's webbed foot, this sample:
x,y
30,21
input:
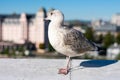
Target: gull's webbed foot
x,y
64,71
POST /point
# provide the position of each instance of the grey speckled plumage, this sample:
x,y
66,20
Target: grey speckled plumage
x,y
77,42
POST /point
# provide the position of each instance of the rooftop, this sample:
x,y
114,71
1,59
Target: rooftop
x,y
17,16
47,69
107,27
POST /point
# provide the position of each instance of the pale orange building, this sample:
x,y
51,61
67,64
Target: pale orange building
x,y
19,28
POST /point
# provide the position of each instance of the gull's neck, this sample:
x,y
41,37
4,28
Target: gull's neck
x,y
55,24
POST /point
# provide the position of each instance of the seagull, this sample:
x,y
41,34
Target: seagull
x,y
66,40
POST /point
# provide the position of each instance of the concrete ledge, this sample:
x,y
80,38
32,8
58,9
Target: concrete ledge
x,y
46,69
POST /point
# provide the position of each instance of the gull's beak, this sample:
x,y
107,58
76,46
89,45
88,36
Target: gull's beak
x,y
47,19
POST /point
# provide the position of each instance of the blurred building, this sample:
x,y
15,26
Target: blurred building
x,y
21,28
105,28
95,23
116,19
113,51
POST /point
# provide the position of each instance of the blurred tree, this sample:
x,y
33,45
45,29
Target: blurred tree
x,y
108,40
42,46
100,39
75,22
118,38
118,57
50,48
6,51
89,34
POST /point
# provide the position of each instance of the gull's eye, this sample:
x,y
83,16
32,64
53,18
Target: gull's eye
x,y
51,13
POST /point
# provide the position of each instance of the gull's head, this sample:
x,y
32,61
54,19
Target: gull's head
x,y
56,16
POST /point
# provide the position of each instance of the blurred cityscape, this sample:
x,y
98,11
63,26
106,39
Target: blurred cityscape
x,y
26,35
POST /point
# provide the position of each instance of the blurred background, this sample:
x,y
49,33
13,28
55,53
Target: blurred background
x,y
24,33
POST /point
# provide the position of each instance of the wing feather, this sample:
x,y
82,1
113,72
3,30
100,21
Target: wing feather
x,y
77,42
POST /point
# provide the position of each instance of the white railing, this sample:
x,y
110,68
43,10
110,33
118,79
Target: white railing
x,y
46,69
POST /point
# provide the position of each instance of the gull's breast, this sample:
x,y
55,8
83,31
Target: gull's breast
x,y
56,40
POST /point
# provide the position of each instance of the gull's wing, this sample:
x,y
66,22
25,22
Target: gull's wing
x,y
77,42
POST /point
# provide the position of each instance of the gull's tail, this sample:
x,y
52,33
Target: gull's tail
x,y
96,46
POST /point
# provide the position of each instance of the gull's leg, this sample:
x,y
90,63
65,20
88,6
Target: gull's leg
x,y
68,62
65,70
